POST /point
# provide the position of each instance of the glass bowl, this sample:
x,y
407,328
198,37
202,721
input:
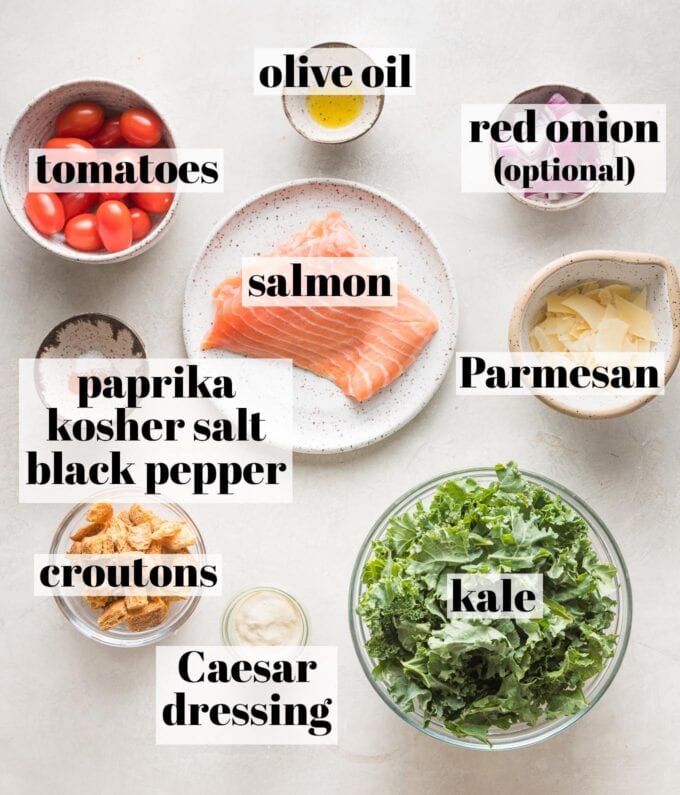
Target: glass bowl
x,y
519,735
240,597
81,615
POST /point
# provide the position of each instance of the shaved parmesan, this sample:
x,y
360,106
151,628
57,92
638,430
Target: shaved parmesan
x,y
609,312
546,342
624,290
554,304
594,318
557,325
640,299
610,335
640,321
603,296
589,310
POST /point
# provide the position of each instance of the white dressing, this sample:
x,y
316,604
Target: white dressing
x,y
266,617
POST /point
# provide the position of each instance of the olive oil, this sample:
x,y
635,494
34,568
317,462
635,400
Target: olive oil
x,y
334,110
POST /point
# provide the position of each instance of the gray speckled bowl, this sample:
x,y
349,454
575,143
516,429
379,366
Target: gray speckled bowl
x,y
639,270
91,335
84,337
35,125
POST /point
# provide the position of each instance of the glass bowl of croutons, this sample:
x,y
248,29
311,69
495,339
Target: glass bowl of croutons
x,y
124,522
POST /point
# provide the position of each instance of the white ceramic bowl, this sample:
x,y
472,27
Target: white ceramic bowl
x,y
35,125
639,270
297,112
539,95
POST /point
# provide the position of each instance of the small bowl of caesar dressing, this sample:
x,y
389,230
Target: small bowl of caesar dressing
x,y
264,616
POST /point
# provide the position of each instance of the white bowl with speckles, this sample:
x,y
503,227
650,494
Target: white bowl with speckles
x,y
638,270
35,125
297,112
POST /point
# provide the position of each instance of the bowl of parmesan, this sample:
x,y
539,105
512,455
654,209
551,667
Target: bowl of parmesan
x,y
614,311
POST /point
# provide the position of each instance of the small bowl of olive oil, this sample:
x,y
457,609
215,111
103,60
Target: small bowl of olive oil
x,y
333,118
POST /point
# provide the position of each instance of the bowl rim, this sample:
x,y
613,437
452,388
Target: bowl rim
x,y
625,601
162,630
84,257
603,255
319,139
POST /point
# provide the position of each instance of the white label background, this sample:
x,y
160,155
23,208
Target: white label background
x,y
322,685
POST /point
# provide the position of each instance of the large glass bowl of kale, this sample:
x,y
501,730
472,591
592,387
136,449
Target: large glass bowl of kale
x,y
490,683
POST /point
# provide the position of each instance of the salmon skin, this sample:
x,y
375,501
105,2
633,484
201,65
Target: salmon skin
x,y
360,350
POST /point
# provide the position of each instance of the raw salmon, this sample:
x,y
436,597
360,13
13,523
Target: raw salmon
x,y
361,350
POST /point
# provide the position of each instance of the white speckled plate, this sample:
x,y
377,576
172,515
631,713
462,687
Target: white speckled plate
x,y
326,421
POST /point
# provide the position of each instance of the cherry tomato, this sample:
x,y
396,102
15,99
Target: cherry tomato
x,y
77,203
108,196
141,127
81,232
81,119
68,143
45,211
114,225
141,223
153,202
109,136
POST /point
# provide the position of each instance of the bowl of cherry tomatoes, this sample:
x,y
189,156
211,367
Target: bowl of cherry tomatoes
x,y
87,227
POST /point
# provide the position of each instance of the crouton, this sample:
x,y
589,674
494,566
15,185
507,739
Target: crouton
x,y
133,603
138,515
139,536
100,544
151,615
100,513
183,538
112,615
164,529
118,531
87,530
97,602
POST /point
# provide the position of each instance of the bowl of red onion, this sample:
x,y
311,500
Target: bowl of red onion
x,y
553,104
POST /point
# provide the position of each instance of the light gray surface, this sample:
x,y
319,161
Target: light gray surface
x,y
76,717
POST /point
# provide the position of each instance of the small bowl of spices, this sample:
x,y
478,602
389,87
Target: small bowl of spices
x,y
82,345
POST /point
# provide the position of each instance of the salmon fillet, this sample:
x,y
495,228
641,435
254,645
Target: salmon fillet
x,y
361,350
